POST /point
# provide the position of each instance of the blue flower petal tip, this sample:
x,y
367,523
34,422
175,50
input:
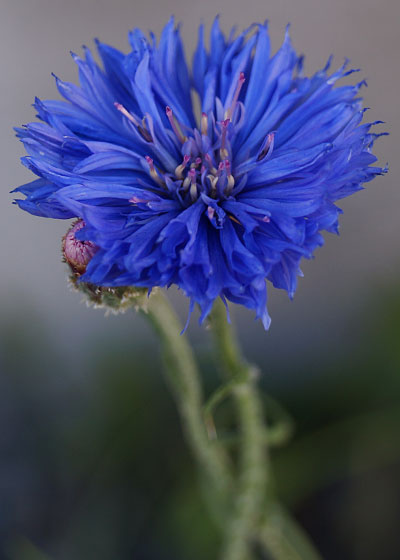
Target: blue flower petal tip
x,y
218,205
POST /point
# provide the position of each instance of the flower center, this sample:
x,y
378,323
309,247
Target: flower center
x,y
206,168
207,153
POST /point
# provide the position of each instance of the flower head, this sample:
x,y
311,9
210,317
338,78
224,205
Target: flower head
x,y
216,205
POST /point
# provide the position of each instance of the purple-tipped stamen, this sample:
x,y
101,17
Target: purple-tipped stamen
x,y
153,173
141,128
230,112
224,126
126,113
210,164
174,124
181,168
266,150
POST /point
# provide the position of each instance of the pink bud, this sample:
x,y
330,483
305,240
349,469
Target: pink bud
x,y
77,253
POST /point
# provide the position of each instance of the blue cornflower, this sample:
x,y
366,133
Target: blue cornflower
x,y
215,205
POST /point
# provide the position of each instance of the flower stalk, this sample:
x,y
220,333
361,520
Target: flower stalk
x,y
243,498
256,516
254,468
184,379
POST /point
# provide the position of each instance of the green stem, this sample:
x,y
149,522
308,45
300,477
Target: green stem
x,y
184,379
283,538
255,515
253,462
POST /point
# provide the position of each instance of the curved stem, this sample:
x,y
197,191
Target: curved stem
x,y
216,398
253,461
282,428
184,379
276,435
254,517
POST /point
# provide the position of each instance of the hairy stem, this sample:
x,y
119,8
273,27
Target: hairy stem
x,y
184,379
252,514
255,517
253,473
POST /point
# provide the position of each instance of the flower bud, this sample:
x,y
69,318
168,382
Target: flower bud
x,y
78,254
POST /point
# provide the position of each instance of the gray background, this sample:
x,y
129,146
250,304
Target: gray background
x,y
73,383
342,286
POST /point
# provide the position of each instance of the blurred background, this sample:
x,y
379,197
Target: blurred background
x,y
92,462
